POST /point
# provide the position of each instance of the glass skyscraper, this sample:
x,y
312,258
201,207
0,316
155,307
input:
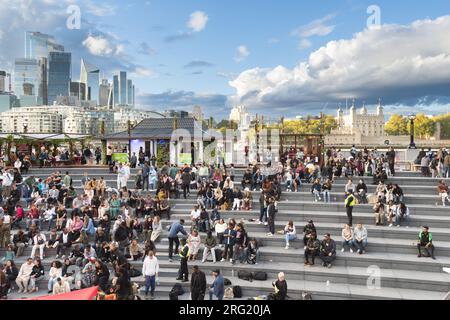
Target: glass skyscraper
x,y
39,45
26,74
123,88
116,97
130,92
90,76
59,75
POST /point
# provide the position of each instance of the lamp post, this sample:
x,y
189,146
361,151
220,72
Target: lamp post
x,y
412,118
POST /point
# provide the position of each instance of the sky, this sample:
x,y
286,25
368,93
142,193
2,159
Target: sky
x,y
278,58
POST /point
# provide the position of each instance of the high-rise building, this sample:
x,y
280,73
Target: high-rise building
x,y
123,88
90,76
78,89
2,81
129,92
26,71
39,45
59,75
116,87
104,93
133,97
43,84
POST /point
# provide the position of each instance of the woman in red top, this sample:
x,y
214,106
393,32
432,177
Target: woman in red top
x,y
33,217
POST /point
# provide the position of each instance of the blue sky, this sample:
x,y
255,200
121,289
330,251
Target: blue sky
x,y
177,65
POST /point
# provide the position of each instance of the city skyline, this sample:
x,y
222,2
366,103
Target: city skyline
x,y
289,59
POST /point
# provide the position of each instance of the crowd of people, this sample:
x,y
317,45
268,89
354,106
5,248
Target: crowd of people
x,y
100,232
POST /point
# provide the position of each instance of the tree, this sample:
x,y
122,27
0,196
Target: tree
x,y
424,127
397,125
444,121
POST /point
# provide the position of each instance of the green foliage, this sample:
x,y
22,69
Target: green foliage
x,y
397,125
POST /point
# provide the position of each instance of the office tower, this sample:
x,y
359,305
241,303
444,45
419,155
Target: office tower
x,y
104,93
133,97
59,75
78,89
123,88
116,97
43,83
129,92
2,81
26,71
38,45
90,76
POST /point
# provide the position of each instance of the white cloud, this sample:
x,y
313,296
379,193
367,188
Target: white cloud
x,y
315,28
142,72
98,46
242,53
304,44
198,21
394,62
100,10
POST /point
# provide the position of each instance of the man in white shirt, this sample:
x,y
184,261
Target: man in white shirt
x,y
24,275
121,177
150,270
8,179
38,243
61,286
195,215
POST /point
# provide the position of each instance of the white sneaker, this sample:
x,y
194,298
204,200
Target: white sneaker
x,y
223,260
266,223
398,226
351,250
343,250
390,226
231,260
286,248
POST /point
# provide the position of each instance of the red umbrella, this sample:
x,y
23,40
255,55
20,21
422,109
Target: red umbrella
x,y
79,295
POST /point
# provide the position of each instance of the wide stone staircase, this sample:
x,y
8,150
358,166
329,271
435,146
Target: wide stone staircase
x,y
389,270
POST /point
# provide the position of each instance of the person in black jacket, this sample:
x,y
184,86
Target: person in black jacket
x,y
121,236
185,183
271,211
36,273
198,284
247,179
102,275
280,287
328,251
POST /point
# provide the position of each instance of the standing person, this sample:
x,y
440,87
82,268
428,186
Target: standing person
x,y
350,202
230,240
133,160
328,251
185,182
443,191
121,177
271,211
109,152
391,160
174,229
426,242
98,155
198,284
218,286
150,270
184,253
145,176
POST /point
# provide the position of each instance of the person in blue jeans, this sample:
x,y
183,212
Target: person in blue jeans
x,y
150,271
360,238
218,287
290,233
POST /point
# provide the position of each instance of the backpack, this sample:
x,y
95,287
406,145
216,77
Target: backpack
x,y
177,289
226,282
245,275
173,296
134,273
260,276
237,292
229,293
